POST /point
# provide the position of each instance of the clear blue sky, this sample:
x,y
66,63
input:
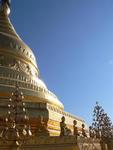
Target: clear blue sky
x,y
73,44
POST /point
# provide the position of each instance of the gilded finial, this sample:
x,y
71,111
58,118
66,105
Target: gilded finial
x,y
5,6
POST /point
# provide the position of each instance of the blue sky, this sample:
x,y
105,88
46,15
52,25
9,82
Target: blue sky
x,y
73,44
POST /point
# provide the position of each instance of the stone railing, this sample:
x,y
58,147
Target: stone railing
x,y
54,143
43,143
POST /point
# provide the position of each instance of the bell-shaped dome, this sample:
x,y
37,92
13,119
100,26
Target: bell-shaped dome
x,y
18,65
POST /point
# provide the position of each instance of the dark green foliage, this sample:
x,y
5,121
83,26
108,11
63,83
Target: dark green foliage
x,y
102,125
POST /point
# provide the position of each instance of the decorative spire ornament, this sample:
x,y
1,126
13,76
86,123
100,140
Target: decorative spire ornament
x,y
17,128
5,6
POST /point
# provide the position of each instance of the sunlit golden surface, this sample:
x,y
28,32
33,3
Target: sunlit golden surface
x,y
18,66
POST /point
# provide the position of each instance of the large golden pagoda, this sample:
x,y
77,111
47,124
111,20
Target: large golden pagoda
x,y
18,66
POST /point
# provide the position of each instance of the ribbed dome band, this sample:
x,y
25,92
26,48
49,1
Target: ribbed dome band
x,y
6,26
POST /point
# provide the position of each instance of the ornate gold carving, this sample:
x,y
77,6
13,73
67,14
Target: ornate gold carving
x,y
83,131
75,129
42,129
17,65
64,130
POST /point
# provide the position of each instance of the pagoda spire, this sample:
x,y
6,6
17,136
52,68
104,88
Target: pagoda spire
x,y
6,26
5,6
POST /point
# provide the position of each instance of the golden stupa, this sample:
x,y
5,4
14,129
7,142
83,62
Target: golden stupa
x,y
18,66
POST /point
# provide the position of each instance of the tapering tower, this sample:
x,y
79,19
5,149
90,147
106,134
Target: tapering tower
x,y
18,66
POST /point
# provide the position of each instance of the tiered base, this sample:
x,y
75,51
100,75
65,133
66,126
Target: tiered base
x,y
51,116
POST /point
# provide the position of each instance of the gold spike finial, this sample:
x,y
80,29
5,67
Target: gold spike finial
x,y
5,6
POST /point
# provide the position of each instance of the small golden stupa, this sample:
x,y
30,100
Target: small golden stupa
x,y
18,66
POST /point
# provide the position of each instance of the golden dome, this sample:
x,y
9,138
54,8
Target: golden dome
x,y
18,65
